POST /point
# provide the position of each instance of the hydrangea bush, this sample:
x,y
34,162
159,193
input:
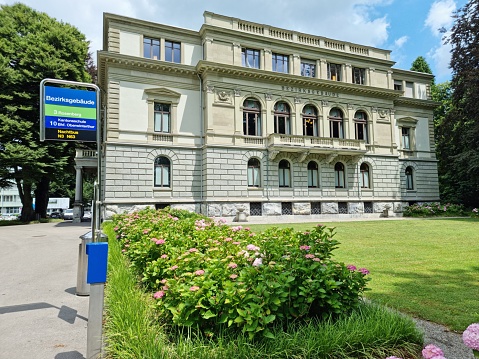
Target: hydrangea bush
x,y
206,274
434,210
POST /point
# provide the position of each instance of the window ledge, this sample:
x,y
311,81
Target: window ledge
x,y
162,189
255,188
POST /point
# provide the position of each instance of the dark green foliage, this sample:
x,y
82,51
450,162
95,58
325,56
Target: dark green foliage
x,y
421,65
459,130
33,47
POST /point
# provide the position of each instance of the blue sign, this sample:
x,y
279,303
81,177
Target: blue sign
x,y
70,114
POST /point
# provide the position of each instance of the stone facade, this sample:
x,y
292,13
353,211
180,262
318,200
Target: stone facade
x,y
181,132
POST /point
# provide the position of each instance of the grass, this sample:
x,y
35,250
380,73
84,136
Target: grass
x,y
132,332
427,268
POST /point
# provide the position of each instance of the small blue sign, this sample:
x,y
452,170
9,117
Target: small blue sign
x,y
97,262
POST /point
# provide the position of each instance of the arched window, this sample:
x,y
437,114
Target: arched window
x,y
162,172
284,173
364,176
336,123
409,178
251,117
254,172
282,119
313,175
361,126
310,121
339,175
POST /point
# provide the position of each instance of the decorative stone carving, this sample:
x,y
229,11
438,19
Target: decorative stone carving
x,y
297,100
331,157
223,96
379,207
325,103
214,210
302,208
273,154
382,113
237,92
355,207
210,89
302,156
271,209
329,208
268,96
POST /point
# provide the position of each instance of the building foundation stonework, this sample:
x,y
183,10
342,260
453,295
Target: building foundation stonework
x,y
291,125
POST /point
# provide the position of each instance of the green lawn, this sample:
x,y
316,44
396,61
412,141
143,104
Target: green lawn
x,y
428,268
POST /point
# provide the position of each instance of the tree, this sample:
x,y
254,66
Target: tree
x,y
461,124
33,47
421,65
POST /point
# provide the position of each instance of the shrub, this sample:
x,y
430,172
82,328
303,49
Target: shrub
x,y
434,210
206,274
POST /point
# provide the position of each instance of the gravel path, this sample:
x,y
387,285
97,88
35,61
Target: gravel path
x,y
450,342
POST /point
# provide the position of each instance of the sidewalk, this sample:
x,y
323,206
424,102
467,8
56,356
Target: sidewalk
x,y
40,315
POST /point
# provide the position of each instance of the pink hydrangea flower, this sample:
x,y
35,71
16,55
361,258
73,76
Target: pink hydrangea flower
x,y
160,241
305,248
317,259
257,262
228,239
174,267
123,250
252,247
232,265
194,288
159,294
192,250
200,272
309,256
351,267
233,276
146,231
163,281
363,271
164,256
431,351
470,337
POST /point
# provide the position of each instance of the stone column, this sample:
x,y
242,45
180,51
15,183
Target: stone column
x,y
77,205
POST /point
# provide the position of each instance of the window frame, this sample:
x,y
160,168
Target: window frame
x,y
255,114
284,174
256,58
282,118
254,173
151,47
362,75
280,59
339,176
361,123
313,118
334,71
335,120
162,167
312,68
313,174
409,174
365,176
173,51
161,112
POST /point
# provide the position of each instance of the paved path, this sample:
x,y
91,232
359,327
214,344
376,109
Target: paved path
x,y
40,315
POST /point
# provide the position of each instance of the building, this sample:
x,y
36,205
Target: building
x,y
241,116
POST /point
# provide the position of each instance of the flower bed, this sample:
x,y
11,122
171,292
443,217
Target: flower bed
x,y
434,210
205,274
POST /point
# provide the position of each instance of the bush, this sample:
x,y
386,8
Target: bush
x,y
434,210
208,275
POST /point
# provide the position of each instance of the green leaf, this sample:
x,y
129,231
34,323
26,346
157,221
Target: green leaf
x,y
209,314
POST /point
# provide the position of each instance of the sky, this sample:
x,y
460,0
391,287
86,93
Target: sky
x,y
409,28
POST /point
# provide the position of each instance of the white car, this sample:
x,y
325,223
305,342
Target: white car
x,y
68,214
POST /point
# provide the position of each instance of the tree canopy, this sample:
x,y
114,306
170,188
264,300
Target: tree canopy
x,y
421,65
460,127
34,46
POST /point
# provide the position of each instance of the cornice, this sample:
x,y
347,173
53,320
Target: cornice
x,y
413,102
106,58
204,68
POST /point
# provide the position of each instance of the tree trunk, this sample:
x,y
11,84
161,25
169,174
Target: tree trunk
x,y
25,192
41,197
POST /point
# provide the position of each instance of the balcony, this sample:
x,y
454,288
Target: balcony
x,y
86,158
320,145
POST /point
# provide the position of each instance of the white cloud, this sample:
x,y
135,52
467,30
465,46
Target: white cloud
x,y
398,43
440,15
441,55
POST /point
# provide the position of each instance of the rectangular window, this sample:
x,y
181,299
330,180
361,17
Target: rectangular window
x,y
406,143
286,208
151,48
255,209
9,198
334,72
398,85
251,124
368,207
308,69
250,58
173,52
361,131
343,207
284,177
359,76
315,207
310,127
336,128
280,63
162,117
409,91
162,176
